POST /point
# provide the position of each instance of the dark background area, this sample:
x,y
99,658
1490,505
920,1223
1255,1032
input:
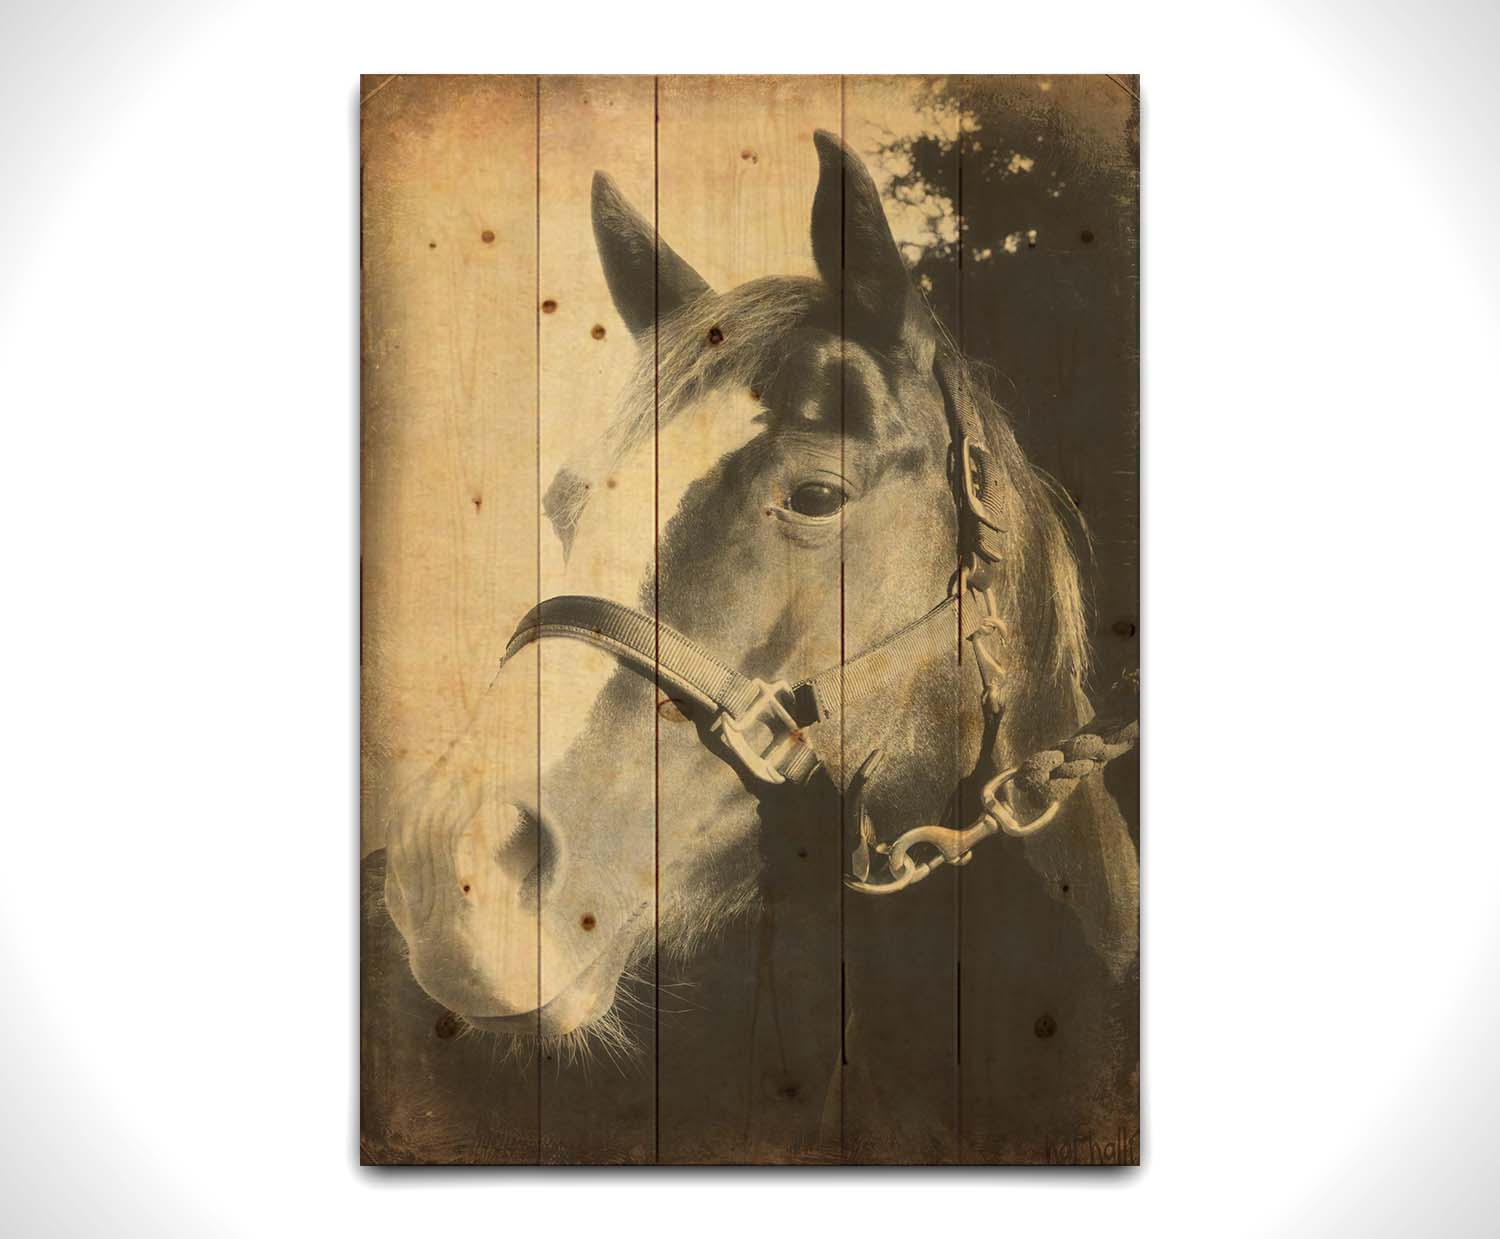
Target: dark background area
x,y
1055,324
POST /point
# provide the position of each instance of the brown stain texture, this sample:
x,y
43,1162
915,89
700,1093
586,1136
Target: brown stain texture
x,y
449,337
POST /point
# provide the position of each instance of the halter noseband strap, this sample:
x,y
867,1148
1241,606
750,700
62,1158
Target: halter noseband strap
x,y
772,730
766,727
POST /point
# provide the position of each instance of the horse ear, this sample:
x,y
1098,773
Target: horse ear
x,y
643,280
855,253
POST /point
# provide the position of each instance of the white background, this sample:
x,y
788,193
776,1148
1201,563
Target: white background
x,y
178,478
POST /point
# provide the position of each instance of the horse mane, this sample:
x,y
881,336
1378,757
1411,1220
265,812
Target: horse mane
x,y
1048,612
739,339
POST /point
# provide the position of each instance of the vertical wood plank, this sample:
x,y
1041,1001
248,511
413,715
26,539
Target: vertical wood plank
x,y
598,1097
986,1015
449,512
1048,923
901,953
749,1052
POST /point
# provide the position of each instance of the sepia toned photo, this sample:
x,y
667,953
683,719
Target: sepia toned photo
x,y
749,620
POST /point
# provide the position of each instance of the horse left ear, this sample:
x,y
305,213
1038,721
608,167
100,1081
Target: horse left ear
x,y
856,254
646,278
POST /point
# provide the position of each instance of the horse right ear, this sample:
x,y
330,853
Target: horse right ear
x,y
857,256
644,280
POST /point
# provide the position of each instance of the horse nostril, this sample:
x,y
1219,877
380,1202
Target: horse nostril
x,y
528,859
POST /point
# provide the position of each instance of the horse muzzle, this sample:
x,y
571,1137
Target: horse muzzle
x,y
501,929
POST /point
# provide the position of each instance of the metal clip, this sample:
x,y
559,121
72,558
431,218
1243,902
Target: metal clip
x,y
953,847
998,807
967,449
859,862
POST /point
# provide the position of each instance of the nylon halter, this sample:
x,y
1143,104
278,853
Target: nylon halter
x,y
776,732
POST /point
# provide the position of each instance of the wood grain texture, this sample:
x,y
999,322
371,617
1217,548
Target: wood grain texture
x,y
901,1073
449,526
749,1066
608,1114
1049,1035
989,1015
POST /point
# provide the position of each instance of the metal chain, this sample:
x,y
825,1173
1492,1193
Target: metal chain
x,y
1048,776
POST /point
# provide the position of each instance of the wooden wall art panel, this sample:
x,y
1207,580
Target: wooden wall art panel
x,y
750,620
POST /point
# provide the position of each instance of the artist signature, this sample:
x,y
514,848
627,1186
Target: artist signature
x,y
1122,1148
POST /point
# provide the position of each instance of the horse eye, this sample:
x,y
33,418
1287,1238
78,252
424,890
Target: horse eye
x,y
816,499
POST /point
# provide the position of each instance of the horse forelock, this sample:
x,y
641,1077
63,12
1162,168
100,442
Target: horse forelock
x,y
719,341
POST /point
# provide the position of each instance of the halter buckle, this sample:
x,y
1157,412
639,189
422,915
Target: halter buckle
x,y
974,477
764,737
